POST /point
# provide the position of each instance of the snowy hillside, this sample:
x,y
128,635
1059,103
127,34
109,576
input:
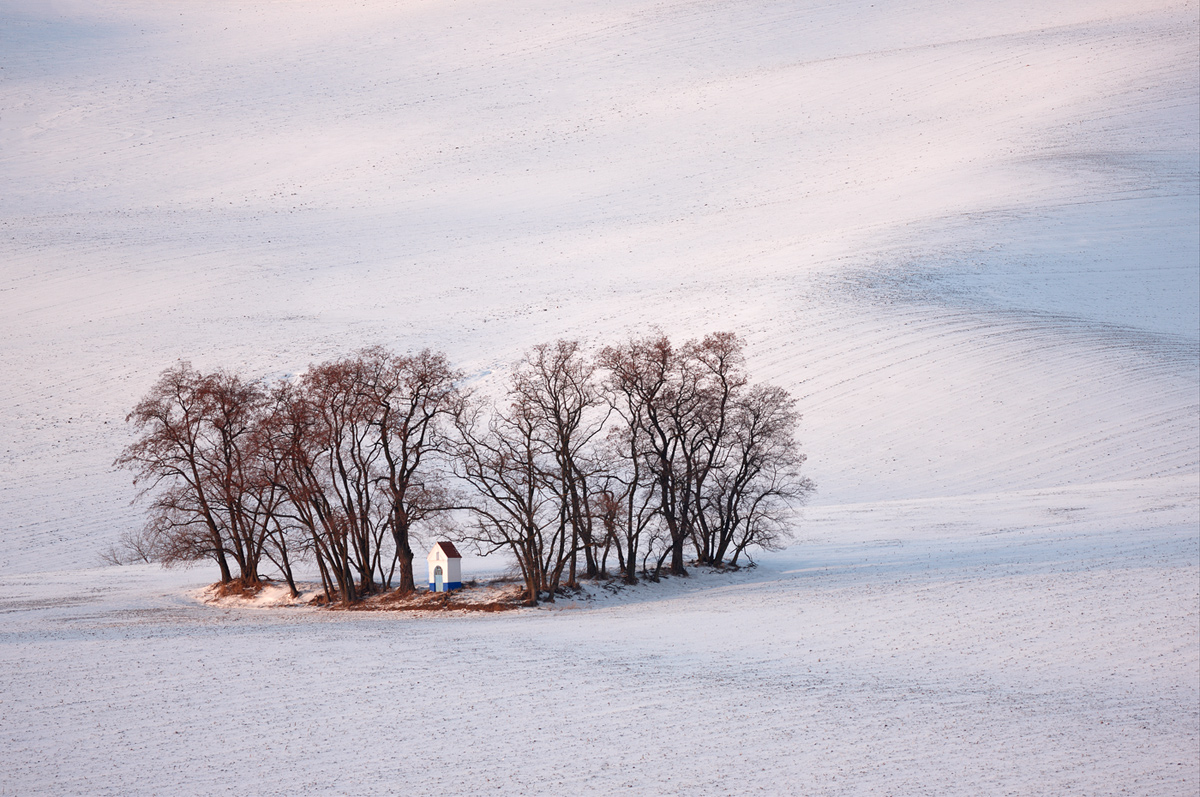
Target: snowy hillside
x,y
965,235
989,215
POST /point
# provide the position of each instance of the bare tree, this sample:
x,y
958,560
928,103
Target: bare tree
x,y
284,538
532,467
347,456
716,367
717,453
753,494
661,394
296,437
624,501
413,397
195,457
556,385
505,464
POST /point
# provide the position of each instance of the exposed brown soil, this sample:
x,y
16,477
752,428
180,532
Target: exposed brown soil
x,y
472,598
235,588
395,601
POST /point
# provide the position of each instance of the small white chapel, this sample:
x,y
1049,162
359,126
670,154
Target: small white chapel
x,y
445,567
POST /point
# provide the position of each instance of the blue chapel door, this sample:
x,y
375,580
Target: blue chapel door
x,y
437,579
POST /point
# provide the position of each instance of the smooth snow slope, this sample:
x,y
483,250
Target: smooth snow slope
x,y
1040,643
987,213
965,235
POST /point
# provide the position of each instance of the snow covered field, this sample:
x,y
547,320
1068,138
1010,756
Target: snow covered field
x,y
965,235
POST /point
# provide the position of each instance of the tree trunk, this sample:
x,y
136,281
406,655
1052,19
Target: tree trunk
x,y
407,581
571,582
677,568
404,553
223,563
287,572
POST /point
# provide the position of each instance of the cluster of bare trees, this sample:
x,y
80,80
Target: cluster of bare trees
x,y
335,467
620,462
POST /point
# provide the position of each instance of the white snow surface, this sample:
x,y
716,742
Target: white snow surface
x,y
965,235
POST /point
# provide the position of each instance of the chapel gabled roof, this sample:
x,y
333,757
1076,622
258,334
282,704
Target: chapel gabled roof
x,y
449,549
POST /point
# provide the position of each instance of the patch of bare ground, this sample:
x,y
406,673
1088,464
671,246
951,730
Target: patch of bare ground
x,y
487,598
494,596
234,589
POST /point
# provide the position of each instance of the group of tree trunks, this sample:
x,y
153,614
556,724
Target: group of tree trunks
x,y
631,456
